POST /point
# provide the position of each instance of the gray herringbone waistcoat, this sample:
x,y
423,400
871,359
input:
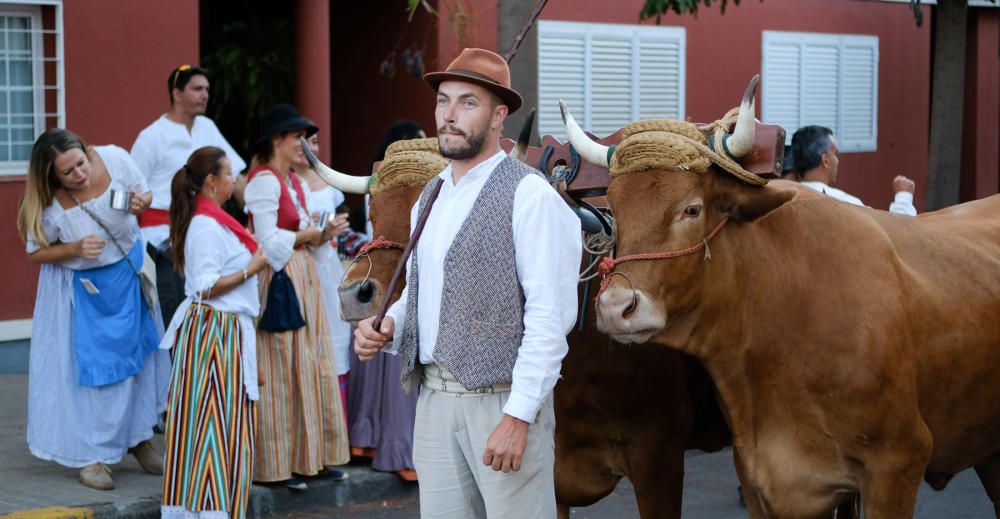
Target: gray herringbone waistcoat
x,y
482,304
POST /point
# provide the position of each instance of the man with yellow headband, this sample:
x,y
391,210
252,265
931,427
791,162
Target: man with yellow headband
x,y
159,151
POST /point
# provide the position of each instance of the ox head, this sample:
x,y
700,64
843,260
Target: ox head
x,y
407,167
674,185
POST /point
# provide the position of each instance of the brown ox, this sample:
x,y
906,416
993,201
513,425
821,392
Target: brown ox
x,y
854,350
620,410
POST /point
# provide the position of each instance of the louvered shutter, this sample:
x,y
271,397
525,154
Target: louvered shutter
x,y
859,124
822,79
561,72
608,74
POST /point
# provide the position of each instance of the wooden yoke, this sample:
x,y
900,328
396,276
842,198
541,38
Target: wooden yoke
x,y
589,180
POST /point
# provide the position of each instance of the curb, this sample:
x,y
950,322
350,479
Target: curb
x,y
363,486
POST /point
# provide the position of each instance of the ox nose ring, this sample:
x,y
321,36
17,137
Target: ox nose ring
x,y
635,298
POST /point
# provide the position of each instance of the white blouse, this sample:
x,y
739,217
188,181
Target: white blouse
x,y
74,224
261,198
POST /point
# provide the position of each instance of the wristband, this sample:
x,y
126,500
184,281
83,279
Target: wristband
x,y
244,275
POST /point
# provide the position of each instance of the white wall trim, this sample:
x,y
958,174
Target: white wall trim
x,y
15,330
972,3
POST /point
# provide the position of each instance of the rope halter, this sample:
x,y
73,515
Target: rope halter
x,y
376,244
608,264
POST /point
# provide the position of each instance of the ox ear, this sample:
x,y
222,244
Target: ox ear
x,y
746,203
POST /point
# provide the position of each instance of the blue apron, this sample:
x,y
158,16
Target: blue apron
x,y
113,328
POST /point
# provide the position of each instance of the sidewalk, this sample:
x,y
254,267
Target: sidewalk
x,y
36,489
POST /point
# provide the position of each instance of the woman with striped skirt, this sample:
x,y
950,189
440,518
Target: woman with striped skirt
x,y
301,429
210,416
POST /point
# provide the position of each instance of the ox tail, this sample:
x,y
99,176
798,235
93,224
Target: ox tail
x,y
850,508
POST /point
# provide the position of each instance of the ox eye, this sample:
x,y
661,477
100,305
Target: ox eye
x,y
692,211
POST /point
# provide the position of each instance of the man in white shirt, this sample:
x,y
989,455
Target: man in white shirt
x,y
814,153
485,334
160,150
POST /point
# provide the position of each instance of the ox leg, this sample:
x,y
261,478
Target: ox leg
x,y
989,474
562,511
658,479
754,508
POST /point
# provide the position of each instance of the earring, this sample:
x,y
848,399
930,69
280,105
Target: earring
x,y
212,194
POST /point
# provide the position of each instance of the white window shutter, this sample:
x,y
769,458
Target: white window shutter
x,y
608,74
661,78
561,71
781,89
610,105
823,79
820,85
859,126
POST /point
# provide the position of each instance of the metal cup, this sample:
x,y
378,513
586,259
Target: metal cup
x,y
324,218
120,200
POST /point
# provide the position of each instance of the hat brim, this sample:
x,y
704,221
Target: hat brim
x,y
295,123
509,97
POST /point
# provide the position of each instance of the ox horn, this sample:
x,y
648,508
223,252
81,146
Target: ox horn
x,y
741,141
520,151
591,151
341,181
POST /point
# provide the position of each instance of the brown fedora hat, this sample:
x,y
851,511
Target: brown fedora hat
x,y
481,67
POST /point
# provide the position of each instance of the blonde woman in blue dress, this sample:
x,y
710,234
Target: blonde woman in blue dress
x,y
96,381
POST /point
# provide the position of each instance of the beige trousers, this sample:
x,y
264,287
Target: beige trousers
x,y
450,433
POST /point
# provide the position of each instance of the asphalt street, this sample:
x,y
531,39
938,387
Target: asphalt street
x,y
709,493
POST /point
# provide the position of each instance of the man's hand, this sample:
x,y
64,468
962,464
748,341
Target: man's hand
x,y
505,446
901,183
368,342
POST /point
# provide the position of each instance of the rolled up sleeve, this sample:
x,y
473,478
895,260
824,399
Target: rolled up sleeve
x,y
261,197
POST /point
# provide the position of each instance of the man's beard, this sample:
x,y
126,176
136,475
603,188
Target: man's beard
x,y
473,144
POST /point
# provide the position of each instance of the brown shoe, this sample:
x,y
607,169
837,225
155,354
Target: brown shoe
x,y
147,457
97,476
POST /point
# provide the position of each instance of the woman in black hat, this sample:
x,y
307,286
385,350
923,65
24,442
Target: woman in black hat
x,y
300,426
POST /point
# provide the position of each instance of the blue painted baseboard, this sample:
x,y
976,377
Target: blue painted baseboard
x,y
14,356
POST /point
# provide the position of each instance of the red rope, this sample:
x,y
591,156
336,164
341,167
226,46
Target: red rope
x,y
380,243
608,264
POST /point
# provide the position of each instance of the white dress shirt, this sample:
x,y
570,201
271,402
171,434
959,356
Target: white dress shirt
x,y
162,148
547,252
902,204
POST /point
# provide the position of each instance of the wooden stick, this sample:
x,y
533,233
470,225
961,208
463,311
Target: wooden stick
x,y
401,266
524,31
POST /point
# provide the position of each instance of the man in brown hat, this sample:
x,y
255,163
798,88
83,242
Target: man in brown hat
x,y
485,334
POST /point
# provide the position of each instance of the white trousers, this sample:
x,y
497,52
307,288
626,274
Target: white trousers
x,y
449,438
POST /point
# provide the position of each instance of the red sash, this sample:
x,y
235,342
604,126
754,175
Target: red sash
x,y
204,206
154,217
288,216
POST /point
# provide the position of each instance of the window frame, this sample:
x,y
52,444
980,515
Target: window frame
x,y
841,41
41,112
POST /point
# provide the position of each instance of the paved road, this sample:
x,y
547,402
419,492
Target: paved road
x,y
709,493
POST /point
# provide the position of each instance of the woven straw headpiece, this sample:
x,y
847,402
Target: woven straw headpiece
x,y
409,163
672,145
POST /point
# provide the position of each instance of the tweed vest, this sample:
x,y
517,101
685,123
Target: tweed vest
x,y
482,303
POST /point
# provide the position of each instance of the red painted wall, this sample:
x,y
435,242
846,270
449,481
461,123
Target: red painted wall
x,y
724,52
981,122
116,68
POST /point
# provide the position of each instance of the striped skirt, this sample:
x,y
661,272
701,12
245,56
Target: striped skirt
x,y
210,420
300,417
